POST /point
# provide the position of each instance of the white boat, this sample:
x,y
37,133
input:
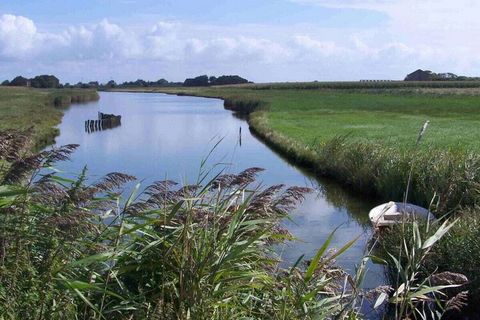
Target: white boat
x,y
392,213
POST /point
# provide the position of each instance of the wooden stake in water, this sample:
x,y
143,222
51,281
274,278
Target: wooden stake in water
x,y
240,136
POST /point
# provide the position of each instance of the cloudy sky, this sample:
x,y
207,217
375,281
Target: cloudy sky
x,y
262,40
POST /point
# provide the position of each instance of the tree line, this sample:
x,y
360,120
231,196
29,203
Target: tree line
x,y
50,81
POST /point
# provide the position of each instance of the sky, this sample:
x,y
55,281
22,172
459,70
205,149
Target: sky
x,y
261,40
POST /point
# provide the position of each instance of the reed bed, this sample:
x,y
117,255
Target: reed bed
x,y
76,249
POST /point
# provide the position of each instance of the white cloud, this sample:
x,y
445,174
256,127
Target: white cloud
x,y
320,49
438,35
17,35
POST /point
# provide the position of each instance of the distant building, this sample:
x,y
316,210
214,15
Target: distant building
x,y
420,75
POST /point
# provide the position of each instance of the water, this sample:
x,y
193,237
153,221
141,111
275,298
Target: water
x,y
165,136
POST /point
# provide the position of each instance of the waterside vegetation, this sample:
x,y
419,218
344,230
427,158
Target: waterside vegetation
x,y
364,137
38,110
74,249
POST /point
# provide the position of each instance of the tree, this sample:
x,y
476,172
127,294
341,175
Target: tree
x,y
45,81
161,83
5,83
19,82
224,80
200,81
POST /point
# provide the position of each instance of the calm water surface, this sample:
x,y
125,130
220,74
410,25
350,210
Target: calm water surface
x,y
165,136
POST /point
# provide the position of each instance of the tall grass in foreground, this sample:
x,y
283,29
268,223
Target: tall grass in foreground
x,y
73,249
70,249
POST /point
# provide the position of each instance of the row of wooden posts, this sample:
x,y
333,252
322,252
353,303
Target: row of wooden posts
x,y
105,121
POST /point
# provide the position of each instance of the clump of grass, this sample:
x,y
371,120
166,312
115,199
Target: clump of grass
x,y
459,251
421,292
244,105
419,288
447,176
65,97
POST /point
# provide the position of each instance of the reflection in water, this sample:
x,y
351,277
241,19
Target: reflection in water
x,y
166,136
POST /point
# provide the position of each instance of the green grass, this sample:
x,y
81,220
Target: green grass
x,y
25,108
379,118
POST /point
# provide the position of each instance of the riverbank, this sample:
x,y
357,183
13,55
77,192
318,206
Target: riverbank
x,y
365,138
38,110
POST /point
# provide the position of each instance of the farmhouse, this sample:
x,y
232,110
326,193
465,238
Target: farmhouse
x,y
420,75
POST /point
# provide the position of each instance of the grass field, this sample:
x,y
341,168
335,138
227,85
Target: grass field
x,y
25,108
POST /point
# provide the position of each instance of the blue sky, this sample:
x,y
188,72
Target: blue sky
x,y
263,40
198,11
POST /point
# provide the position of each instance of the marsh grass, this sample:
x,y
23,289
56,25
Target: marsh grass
x,y
37,110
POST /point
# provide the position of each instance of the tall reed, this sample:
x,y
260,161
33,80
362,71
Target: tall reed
x,y
70,248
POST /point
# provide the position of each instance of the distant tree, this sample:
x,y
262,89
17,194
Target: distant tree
x,y
212,80
111,84
82,85
19,82
93,84
234,79
45,81
200,81
5,83
445,76
161,82
68,85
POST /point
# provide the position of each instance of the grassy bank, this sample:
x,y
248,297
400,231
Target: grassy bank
x,y
38,110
